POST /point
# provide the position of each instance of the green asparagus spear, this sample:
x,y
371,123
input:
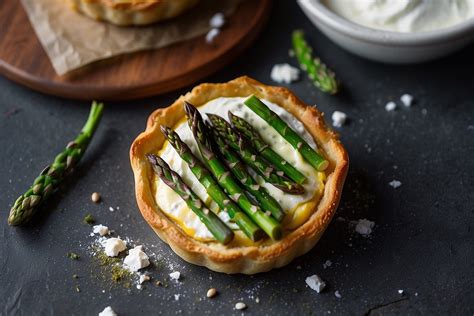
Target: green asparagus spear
x,y
263,148
252,158
212,187
308,153
45,184
239,170
217,228
269,225
322,77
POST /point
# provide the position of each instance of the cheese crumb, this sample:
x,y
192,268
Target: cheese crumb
x,y
136,259
364,227
217,20
175,275
337,294
176,297
315,283
144,278
108,311
395,184
211,35
390,106
240,306
400,292
327,264
113,246
338,118
284,73
407,100
101,230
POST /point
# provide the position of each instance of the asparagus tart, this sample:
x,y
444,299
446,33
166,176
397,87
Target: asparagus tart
x,y
239,177
132,12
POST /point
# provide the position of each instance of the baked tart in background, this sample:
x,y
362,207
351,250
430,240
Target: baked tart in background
x,y
239,177
132,12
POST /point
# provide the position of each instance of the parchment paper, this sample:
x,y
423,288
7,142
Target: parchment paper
x,y
72,40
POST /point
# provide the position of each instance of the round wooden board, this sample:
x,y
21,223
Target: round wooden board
x,y
130,76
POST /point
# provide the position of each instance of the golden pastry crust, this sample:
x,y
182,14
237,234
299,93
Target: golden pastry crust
x,y
132,12
244,259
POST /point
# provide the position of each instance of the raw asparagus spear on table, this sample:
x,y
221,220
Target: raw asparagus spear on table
x,y
269,225
217,228
239,170
45,184
252,158
322,77
308,153
264,149
249,228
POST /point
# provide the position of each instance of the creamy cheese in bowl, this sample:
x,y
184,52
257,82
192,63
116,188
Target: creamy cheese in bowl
x,y
404,15
297,207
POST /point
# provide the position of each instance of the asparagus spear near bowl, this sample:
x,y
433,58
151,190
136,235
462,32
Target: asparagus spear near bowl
x,y
264,149
269,225
252,158
322,77
251,230
217,228
239,170
308,153
47,182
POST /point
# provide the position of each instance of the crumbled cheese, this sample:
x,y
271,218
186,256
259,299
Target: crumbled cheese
x,y
176,297
101,230
111,209
217,20
406,99
327,264
338,118
175,275
315,283
337,294
284,73
144,278
108,311
211,35
395,184
136,259
400,292
390,106
113,246
364,227
240,306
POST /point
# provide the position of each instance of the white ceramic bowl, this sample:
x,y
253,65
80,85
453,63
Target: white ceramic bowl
x,y
386,46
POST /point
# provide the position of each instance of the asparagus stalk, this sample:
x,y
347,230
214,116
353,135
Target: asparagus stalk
x,y
212,187
47,182
217,228
322,77
239,170
269,225
308,153
252,158
264,149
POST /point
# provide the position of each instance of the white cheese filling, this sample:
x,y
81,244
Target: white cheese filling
x,y
176,208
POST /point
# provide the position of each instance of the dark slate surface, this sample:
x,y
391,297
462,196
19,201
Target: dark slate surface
x,y
422,243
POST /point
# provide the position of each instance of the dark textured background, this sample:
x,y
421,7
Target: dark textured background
x,y
422,243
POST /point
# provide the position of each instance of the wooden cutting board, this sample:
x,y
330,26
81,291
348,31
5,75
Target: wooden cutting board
x,y
130,76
